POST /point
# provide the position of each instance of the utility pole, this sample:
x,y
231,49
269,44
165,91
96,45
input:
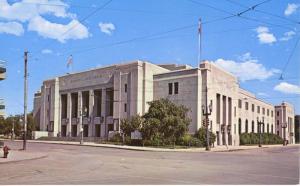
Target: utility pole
x,y
25,99
206,111
284,126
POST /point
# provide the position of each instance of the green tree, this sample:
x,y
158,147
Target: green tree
x,y
131,124
165,120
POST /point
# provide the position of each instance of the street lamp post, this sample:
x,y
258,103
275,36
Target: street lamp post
x,y
13,129
83,114
260,123
284,126
206,111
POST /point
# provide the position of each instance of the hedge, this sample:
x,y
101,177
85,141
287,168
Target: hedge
x,y
253,138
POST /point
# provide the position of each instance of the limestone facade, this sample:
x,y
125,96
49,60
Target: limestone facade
x,y
96,100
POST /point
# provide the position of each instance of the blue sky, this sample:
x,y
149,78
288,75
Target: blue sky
x,y
256,46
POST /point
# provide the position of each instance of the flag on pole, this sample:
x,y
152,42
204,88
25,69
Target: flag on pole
x,y
199,26
70,61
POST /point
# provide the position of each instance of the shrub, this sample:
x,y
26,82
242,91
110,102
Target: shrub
x,y
201,135
253,138
116,138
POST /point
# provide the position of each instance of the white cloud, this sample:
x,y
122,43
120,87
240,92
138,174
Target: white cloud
x,y
47,51
107,28
11,28
287,88
265,36
27,9
60,32
288,35
32,11
248,69
290,9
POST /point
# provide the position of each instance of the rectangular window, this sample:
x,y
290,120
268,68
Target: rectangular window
x,y
170,88
125,107
268,112
258,109
272,113
246,105
218,108
253,107
176,87
277,113
240,103
234,111
125,87
263,111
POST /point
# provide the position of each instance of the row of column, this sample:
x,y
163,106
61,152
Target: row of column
x,y
88,120
224,120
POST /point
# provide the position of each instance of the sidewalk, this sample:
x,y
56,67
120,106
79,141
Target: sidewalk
x,y
20,155
137,148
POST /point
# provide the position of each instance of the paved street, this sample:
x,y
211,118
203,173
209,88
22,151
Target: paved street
x,y
68,164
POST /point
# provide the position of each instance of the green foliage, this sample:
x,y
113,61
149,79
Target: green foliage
x,y
131,124
201,135
191,141
253,138
116,138
165,122
6,125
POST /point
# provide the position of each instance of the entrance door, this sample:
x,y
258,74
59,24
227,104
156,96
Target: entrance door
x,y
74,130
63,130
229,139
85,130
97,130
223,138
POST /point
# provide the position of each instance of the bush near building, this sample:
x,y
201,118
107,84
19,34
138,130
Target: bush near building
x,y
164,124
253,139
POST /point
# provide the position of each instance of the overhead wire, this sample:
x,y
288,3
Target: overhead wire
x,y
263,12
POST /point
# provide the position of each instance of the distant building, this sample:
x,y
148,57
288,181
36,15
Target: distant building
x,y
285,121
297,128
2,77
96,100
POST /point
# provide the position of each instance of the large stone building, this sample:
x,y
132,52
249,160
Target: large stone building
x,y
96,100
2,77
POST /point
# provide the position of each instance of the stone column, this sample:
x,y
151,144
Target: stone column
x,y
69,114
103,114
221,120
91,114
79,124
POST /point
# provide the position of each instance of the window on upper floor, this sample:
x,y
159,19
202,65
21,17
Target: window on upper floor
x,y
277,113
246,105
268,112
253,107
240,103
125,107
272,113
125,87
170,88
263,111
176,87
258,109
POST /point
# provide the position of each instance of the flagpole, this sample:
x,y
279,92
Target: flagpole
x,y
199,41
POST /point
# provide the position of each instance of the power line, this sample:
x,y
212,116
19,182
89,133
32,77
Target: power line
x,y
85,18
289,58
263,12
239,14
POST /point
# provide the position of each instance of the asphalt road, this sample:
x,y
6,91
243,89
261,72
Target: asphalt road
x,y
67,164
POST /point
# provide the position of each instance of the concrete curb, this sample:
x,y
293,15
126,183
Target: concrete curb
x,y
28,159
153,149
